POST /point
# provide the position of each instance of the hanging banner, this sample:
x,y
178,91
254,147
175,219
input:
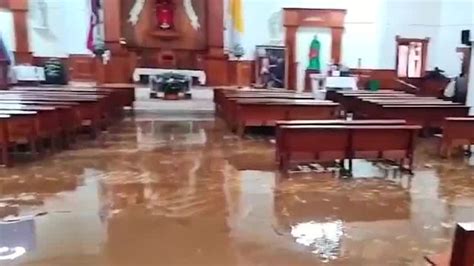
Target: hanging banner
x,y
235,28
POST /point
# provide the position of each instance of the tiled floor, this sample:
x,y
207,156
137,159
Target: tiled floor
x,y
180,189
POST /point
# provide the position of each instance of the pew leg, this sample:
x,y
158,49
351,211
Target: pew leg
x,y
5,158
284,162
53,145
95,130
241,130
410,165
443,150
33,147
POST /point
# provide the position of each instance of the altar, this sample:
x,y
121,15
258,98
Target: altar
x,y
323,82
28,73
198,74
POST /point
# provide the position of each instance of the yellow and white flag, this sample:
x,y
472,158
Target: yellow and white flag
x,y
234,28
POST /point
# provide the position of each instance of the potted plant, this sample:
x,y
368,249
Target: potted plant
x,y
171,89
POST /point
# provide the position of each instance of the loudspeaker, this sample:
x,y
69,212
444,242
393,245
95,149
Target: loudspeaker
x,y
466,37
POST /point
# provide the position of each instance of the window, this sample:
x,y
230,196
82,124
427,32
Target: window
x,y
411,57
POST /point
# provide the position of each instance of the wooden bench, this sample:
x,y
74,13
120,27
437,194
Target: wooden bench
x,y
114,103
457,131
349,101
4,140
223,106
220,93
369,107
426,115
462,253
70,119
229,104
89,110
22,127
126,92
48,125
305,143
254,112
329,123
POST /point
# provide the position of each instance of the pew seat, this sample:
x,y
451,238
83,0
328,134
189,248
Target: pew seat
x,y
457,131
307,143
328,122
266,112
22,128
4,141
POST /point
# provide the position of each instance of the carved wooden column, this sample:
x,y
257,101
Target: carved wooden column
x,y
290,44
22,52
336,46
217,62
117,68
3,74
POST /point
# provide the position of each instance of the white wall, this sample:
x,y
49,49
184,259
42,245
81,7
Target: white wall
x,y
7,29
65,31
371,27
304,37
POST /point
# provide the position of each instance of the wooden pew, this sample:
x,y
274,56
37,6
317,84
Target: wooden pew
x,y
457,131
220,96
254,112
305,143
329,123
114,104
462,253
4,142
349,101
48,123
22,127
427,115
219,93
369,107
90,111
126,92
70,119
229,104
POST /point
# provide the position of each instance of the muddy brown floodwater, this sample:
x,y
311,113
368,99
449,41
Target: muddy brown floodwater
x,y
183,190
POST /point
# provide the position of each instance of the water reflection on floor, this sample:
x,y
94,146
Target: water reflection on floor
x,y
183,190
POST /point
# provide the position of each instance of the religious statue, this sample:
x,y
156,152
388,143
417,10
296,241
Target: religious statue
x,y
314,55
164,14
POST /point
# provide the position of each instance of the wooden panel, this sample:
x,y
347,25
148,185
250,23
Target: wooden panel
x,y
112,21
183,36
82,67
22,53
217,70
3,74
307,17
304,17
290,43
241,73
215,24
336,46
387,77
117,70
4,4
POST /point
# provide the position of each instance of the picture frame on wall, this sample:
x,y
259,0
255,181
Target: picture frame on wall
x,y
271,67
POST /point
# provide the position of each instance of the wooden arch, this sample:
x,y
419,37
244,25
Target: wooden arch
x,y
307,17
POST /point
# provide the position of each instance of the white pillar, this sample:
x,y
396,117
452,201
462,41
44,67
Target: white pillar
x,y
470,86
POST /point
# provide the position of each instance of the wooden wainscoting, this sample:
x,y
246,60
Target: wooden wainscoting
x,y
241,73
82,67
3,74
387,77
